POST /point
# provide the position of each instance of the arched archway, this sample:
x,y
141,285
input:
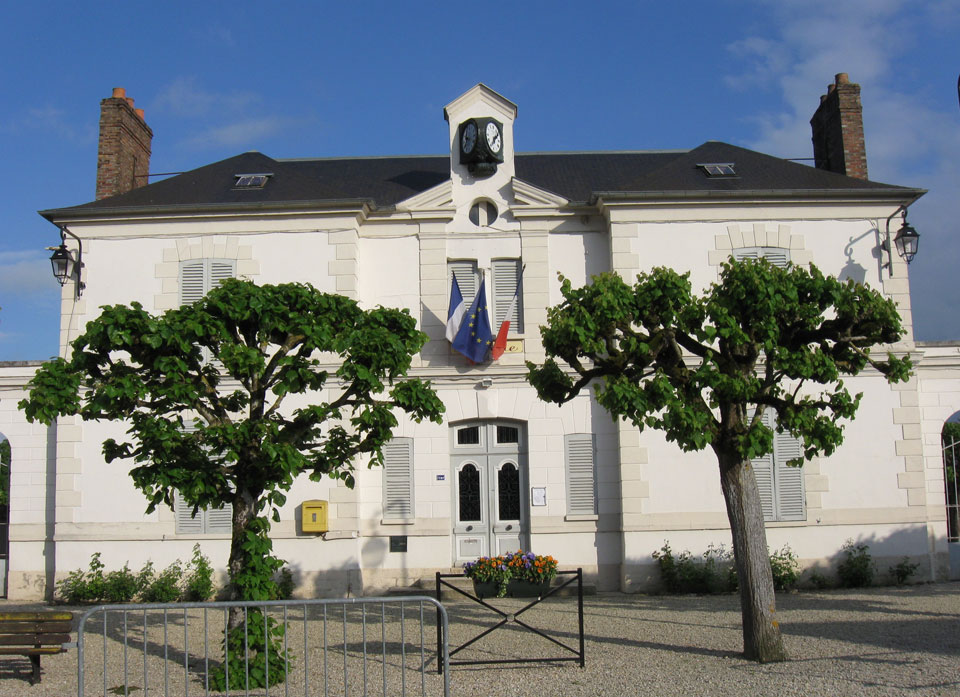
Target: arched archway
x,y
950,440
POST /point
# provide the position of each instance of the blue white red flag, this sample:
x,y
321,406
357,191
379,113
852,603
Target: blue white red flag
x,y
474,338
456,311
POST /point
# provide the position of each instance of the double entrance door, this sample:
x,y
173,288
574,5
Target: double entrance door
x,y
491,509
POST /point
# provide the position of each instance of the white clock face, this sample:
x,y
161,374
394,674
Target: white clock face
x,y
469,140
493,137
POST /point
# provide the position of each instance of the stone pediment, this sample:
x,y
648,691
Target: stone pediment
x,y
440,197
528,195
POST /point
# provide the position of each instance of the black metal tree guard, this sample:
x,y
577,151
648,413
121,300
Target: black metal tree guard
x,y
578,655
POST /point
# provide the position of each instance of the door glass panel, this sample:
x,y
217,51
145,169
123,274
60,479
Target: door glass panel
x,y
508,492
508,434
469,493
468,436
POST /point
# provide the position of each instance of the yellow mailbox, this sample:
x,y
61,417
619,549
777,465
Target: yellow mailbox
x,y
314,516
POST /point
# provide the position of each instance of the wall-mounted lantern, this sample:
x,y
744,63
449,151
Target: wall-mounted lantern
x,y
907,240
64,265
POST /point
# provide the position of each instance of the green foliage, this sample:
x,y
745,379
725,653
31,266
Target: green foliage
x,y
704,369
785,567
165,586
819,581
80,587
690,366
120,586
255,656
714,572
857,569
123,586
903,571
149,372
199,578
285,584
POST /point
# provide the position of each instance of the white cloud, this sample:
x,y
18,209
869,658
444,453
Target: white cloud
x,y
51,120
911,139
239,134
25,273
185,96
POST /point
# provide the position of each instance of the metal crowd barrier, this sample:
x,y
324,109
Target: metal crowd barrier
x,y
349,646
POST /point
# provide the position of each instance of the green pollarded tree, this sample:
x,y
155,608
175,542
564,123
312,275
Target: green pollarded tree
x,y
153,373
704,368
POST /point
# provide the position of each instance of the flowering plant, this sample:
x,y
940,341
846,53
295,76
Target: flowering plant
x,y
530,567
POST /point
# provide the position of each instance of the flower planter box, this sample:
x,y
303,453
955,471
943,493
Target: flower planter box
x,y
515,589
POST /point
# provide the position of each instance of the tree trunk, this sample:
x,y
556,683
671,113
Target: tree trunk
x,y
761,632
244,511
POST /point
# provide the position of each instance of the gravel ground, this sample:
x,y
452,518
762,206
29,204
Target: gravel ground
x,y
882,641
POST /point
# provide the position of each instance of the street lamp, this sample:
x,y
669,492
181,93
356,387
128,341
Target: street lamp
x,y
907,240
63,264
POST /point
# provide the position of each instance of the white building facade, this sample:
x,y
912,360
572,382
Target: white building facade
x,y
504,470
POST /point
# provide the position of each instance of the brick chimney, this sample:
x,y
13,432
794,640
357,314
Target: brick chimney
x,y
837,124
123,157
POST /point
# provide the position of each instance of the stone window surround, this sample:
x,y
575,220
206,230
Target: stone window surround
x,y
206,247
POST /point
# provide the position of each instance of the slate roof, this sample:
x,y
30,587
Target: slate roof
x,y
580,177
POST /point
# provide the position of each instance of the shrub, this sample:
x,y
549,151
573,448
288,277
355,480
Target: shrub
x,y
785,568
819,581
165,588
120,586
857,568
285,584
903,571
682,573
199,583
84,587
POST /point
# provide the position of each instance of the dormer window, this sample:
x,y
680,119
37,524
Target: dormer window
x,y
718,169
251,181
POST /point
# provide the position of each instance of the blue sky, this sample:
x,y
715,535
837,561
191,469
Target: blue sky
x,y
314,79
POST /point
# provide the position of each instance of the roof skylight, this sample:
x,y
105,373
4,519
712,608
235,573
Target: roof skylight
x,y
251,181
718,169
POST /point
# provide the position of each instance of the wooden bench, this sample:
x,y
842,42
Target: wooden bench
x,y
34,634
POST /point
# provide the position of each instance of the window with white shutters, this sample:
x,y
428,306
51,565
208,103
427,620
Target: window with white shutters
x,y
506,284
503,282
398,480
468,279
199,276
206,521
781,486
778,256
581,474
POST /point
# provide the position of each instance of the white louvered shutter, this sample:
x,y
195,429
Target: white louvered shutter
x,y
581,474
187,523
209,521
778,256
763,472
466,274
192,281
790,495
198,277
218,521
398,479
506,283
220,270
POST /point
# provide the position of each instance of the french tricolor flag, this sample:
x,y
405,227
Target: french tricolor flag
x,y
500,344
456,311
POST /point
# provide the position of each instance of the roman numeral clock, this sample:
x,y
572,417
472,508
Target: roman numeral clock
x,y
481,145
